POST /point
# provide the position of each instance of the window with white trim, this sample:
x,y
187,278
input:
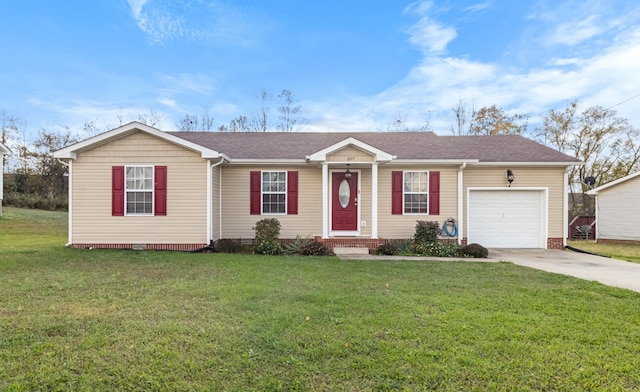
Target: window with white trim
x,y
415,192
274,192
139,190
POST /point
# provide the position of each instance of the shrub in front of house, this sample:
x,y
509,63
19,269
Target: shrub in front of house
x,y
426,232
387,249
437,249
475,250
296,246
267,229
268,248
227,246
314,248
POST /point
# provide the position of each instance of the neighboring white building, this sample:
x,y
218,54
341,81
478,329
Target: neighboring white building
x,y
618,210
3,151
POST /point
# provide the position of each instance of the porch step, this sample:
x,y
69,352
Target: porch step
x,y
346,250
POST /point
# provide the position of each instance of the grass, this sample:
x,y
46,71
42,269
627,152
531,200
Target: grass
x,y
616,251
123,320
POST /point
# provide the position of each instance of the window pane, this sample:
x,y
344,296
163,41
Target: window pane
x,y
274,187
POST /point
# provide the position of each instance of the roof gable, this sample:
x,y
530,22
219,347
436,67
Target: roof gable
x,y
608,185
4,150
379,155
70,152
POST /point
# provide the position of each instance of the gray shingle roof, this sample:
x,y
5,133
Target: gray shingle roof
x,y
404,145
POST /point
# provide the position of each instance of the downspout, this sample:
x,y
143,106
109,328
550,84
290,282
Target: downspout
x,y
460,204
565,202
70,197
210,167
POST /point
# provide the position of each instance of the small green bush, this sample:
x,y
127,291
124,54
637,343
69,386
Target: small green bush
x,y
314,248
295,247
437,249
404,247
268,248
426,232
227,246
267,229
475,250
388,249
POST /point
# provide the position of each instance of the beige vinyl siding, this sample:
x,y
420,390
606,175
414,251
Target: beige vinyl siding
x,y
350,155
551,178
186,194
403,226
237,222
618,212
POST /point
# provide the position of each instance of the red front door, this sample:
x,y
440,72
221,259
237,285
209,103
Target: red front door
x,y
344,202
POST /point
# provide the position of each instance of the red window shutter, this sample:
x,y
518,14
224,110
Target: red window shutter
x,y
434,193
396,192
160,190
254,189
292,193
117,191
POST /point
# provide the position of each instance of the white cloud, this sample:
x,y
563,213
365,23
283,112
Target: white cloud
x,y
201,22
605,75
428,34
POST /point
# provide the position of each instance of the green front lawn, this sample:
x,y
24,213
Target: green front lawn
x,y
124,320
616,251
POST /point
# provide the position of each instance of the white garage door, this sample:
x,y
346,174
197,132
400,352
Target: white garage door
x,y
506,218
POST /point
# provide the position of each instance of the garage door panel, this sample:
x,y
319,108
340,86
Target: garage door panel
x,y
506,219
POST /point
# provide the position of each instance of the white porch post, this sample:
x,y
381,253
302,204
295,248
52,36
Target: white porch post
x,y
374,200
325,200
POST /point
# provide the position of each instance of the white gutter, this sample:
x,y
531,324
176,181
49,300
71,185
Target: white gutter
x,y
210,167
530,164
460,204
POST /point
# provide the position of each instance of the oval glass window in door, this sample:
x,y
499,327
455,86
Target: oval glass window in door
x,y
344,193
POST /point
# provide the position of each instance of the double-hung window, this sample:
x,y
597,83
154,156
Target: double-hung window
x,y
273,192
139,190
416,192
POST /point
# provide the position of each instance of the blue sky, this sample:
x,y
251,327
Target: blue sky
x,y
352,65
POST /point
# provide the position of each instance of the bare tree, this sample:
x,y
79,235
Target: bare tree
x,y
462,115
290,118
606,143
194,122
10,128
260,118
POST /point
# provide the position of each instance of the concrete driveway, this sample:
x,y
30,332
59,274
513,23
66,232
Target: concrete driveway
x,y
612,272
607,271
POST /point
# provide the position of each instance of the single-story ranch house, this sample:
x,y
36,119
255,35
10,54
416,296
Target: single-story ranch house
x,y
139,187
3,151
617,210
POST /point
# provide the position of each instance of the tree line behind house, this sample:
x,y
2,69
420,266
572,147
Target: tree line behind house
x,y
608,144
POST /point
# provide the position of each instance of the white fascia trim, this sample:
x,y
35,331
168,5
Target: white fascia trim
x,y
321,156
266,161
4,150
70,151
456,162
560,164
595,191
